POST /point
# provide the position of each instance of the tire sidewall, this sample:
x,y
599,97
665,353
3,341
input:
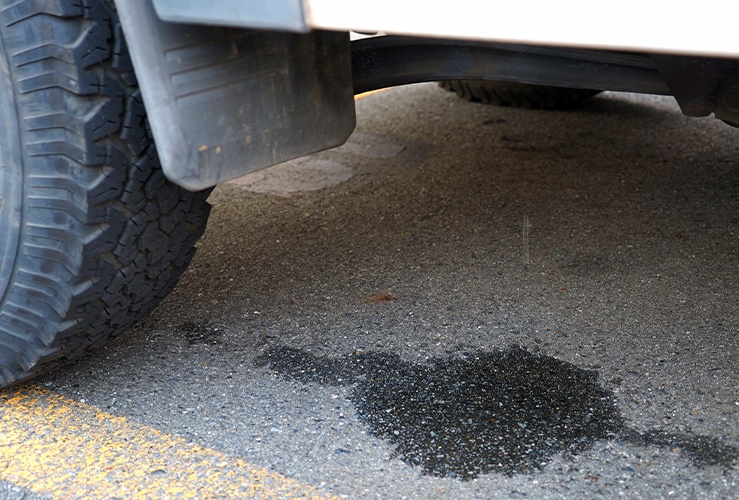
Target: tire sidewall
x,y
11,176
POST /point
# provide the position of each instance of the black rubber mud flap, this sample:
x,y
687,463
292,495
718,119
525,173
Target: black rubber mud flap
x,y
224,102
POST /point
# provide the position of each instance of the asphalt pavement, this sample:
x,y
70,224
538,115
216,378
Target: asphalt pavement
x,y
464,301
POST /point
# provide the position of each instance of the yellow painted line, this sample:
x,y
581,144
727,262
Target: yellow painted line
x,y
64,449
367,94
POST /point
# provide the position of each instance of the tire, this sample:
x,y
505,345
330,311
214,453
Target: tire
x,y
517,95
92,235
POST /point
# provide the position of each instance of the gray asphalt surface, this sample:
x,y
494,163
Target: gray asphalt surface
x,y
482,303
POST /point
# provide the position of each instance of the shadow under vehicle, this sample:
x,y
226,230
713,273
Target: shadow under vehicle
x,y
97,224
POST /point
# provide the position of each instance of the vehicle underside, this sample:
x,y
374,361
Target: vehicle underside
x,y
200,83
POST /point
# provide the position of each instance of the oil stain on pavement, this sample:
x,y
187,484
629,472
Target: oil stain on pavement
x,y
507,411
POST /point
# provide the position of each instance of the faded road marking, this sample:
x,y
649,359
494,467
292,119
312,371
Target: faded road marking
x,y
370,146
312,174
61,448
301,175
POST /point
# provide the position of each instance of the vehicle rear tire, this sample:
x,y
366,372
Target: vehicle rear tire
x,y
92,235
517,95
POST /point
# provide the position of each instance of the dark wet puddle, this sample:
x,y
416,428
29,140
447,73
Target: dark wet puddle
x,y
200,333
507,411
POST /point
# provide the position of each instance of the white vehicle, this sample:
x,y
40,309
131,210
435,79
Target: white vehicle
x,y
97,225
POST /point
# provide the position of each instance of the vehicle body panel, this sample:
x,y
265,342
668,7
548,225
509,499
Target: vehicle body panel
x,y
708,29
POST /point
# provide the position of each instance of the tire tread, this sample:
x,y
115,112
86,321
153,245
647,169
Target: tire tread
x,y
106,236
517,95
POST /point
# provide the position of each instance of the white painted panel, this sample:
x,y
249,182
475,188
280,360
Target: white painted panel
x,y
708,27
